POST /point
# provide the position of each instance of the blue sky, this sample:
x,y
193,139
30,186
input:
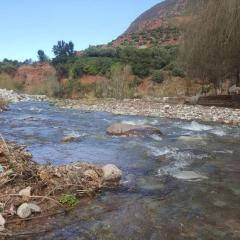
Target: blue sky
x,y
29,25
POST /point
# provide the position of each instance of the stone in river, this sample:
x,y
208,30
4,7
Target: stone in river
x,y
122,129
69,138
189,176
111,173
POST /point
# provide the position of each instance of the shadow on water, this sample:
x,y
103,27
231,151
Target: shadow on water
x,y
150,203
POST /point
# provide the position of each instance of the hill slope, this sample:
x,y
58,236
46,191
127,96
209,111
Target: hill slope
x,y
157,26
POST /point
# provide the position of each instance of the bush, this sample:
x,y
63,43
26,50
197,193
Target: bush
x,y
91,65
69,200
158,76
178,72
95,51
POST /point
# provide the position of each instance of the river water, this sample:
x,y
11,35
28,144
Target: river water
x,y
150,203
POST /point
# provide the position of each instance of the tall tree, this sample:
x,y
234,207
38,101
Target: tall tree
x,y
211,42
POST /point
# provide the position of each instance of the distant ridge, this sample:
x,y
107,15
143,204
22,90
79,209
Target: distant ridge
x,y
157,26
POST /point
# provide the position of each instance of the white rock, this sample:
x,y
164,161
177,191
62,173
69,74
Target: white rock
x,y
2,221
189,176
24,211
25,192
111,173
69,138
166,107
10,95
34,208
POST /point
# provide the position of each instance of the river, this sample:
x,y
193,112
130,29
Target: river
x,y
150,203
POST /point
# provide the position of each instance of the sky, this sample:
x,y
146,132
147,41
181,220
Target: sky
x,y
29,25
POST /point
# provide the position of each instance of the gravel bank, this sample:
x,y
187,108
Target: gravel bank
x,y
13,97
157,109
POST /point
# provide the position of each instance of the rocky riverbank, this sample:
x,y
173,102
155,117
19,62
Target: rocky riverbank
x,y
30,191
13,97
157,108
153,108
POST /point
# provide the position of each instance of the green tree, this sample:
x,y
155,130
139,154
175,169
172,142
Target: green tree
x,y
212,50
63,49
42,57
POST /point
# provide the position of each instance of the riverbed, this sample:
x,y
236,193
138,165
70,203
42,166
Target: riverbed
x,y
151,202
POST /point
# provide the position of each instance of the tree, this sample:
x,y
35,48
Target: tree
x,y
63,49
211,47
42,57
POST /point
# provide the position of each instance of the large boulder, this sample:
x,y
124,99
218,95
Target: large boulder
x,y
122,129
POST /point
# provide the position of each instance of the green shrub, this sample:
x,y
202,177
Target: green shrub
x,y
158,76
178,72
99,51
69,200
90,65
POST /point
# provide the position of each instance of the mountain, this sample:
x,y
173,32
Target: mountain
x,y
159,25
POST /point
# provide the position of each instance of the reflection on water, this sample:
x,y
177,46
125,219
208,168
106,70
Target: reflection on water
x,y
150,203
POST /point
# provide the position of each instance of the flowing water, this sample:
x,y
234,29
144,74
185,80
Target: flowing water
x,y
150,203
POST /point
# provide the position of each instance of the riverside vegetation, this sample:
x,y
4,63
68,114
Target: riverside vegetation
x,y
121,71
33,191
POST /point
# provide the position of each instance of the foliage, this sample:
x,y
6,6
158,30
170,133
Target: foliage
x,y
63,49
69,200
42,57
158,76
211,50
91,65
99,51
178,72
9,66
145,60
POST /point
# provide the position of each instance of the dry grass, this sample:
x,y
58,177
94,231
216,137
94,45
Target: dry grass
x,y
9,83
48,183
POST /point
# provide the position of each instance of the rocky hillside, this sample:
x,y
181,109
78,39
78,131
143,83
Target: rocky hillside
x,y
159,25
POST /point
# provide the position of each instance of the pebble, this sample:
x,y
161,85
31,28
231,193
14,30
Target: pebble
x,y
157,109
2,222
26,209
11,96
25,192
